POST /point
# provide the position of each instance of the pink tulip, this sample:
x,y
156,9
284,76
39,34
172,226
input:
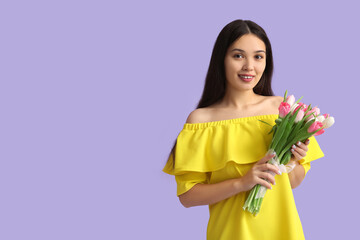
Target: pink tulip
x,y
315,126
299,115
315,110
319,132
290,100
302,106
284,109
326,115
309,115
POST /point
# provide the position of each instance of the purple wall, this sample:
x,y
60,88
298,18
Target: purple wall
x,y
94,93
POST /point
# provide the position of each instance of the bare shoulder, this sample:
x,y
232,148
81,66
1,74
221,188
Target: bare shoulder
x,y
276,100
197,116
273,102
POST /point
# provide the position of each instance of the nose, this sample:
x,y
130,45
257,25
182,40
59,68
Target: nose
x,y
248,65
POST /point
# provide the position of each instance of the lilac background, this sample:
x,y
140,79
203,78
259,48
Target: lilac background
x,y
94,93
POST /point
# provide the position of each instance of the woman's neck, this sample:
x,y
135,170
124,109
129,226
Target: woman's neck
x,y
240,99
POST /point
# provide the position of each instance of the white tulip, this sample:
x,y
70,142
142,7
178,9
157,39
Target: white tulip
x,y
293,107
328,122
290,100
320,118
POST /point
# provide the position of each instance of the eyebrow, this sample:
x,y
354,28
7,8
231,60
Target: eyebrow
x,y
240,50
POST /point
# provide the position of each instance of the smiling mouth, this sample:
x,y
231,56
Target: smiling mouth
x,y
246,78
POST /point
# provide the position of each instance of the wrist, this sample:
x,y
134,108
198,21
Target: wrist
x,y
294,161
238,185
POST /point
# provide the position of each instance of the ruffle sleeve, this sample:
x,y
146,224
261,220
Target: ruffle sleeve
x,y
208,147
203,148
185,180
188,180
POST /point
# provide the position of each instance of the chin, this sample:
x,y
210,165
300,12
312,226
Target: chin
x,y
242,88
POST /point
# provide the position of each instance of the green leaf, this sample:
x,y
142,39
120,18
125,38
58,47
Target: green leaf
x,y
279,132
285,160
308,109
265,122
285,96
298,100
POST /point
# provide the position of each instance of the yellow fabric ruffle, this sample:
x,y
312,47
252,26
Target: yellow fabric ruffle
x,y
187,180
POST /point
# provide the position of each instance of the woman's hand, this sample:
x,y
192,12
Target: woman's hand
x,y
259,173
299,150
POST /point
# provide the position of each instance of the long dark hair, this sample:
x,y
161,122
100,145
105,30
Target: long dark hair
x,y
215,82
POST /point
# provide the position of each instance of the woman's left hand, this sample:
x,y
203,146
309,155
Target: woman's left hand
x,y
298,153
299,150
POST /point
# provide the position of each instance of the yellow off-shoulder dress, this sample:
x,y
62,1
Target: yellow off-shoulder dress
x,y
215,151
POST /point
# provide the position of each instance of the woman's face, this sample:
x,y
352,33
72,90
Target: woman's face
x,y
246,56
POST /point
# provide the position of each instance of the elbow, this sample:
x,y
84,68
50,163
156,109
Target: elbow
x,y
183,200
296,178
186,205
295,183
186,199
191,198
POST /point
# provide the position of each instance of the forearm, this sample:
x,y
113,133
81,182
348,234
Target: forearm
x,y
205,194
297,175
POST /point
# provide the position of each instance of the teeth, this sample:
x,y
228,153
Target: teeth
x,y
246,76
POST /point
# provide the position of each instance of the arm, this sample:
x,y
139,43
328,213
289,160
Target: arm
x,y
205,194
297,175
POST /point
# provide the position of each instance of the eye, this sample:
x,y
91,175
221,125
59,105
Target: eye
x,y
259,57
237,55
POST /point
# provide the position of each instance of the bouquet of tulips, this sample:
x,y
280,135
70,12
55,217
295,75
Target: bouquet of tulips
x,y
296,122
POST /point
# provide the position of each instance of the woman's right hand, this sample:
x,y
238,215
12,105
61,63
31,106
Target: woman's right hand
x,y
258,174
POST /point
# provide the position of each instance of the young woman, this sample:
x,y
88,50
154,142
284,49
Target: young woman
x,y
220,154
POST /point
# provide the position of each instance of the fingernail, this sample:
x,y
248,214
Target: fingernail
x,y
292,150
279,172
294,146
299,143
